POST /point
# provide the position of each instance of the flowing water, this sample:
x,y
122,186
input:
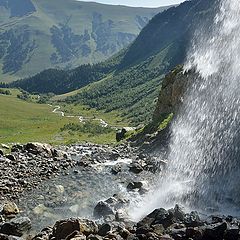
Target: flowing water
x,y
75,192
204,157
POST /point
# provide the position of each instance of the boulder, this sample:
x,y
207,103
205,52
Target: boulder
x,y
104,229
17,148
158,229
64,228
162,216
120,135
232,233
44,234
194,233
192,220
88,227
134,185
40,149
215,231
94,237
103,209
10,208
179,213
16,227
4,237
1,152
11,157
76,235
116,169
178,233
136,168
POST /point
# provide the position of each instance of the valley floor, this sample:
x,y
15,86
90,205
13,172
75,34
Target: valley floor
x,y
25,120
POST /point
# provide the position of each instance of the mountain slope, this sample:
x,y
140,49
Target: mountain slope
x,y
133,78
41,34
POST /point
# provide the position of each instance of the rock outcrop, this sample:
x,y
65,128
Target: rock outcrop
x,y
161,224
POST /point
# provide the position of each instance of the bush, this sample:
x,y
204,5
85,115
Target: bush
x,y
5,92
88,127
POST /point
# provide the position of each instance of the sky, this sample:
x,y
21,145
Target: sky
x,y
138,3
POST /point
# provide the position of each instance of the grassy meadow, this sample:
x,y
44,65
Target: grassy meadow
x,y
24,121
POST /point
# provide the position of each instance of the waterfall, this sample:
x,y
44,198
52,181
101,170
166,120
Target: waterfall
x,y
204,157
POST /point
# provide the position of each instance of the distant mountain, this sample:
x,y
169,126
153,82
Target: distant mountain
x,y
130,81
39,34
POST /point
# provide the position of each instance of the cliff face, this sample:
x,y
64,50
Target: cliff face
x,y
156,135
171,94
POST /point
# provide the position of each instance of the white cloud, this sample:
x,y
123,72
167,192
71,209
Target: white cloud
x,y
139,3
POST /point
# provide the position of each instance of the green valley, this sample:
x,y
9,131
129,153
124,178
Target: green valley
x,y
23,121
130,81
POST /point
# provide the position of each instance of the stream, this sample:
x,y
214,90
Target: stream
x,y
57,110
75,192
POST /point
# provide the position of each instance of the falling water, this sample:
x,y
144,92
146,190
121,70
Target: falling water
x,y
204,157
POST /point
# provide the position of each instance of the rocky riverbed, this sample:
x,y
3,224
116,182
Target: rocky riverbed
x,y
40,185
50,183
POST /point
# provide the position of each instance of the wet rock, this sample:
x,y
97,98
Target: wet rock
x,y
158,229
194,233
217,219
10,208
143,230
116,169
178,233
132,237
136,168
124,233
192,219
62,229
4,237
232,233
121,215
17,148
134,185
215,231
104,229
88,227
102,209
44,234
229,219
94,237
76,235
162,216
147,221
16,227
11,157
179,213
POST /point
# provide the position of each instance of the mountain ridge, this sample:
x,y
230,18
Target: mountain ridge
x,y
64,34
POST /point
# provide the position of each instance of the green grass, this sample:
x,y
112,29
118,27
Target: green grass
x,y
22,121
112,118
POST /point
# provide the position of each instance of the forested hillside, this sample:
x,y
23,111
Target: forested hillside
x,y
39,34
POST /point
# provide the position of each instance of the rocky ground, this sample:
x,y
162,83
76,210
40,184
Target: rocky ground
x,y
28,167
